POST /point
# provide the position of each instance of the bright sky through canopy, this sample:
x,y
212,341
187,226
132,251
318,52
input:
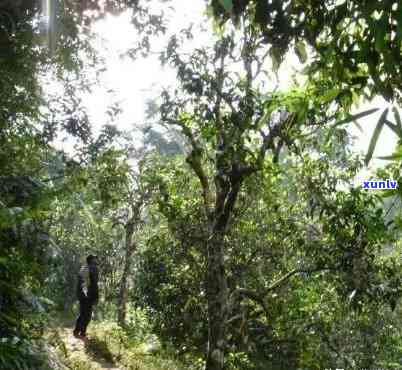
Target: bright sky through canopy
x,y
135,81
132,82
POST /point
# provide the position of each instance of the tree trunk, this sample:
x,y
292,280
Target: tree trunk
x,y
217,287
123,292
217,295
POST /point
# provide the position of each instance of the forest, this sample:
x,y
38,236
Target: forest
x,y
234,224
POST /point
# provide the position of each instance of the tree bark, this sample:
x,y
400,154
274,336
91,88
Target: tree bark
x,y
217,296
217,287
123,291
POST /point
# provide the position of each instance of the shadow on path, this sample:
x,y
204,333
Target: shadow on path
x,y
100,353
94,351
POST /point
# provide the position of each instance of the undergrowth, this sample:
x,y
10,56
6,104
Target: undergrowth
x,y
132,348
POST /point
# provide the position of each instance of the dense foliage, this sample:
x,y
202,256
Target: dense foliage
x,y
356,44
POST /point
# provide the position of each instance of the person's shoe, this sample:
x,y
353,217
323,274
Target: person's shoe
x,y
83,337
76,334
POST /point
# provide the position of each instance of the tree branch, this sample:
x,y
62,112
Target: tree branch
x,y
253,296
259,297
194,160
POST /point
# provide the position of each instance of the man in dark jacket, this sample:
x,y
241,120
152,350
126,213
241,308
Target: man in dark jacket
x,y
87,294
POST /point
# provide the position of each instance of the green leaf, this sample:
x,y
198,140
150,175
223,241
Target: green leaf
x,y
329,95
388,193
376,135
351,118
392,157
5,318
396,156
276,58
399,27
380,33
227,4
359,127
392,126
300,49
398,121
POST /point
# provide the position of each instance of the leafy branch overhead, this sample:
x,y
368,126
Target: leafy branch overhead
x,y
356,44
383,121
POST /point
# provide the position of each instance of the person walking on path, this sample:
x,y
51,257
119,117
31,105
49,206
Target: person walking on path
x,y
87,294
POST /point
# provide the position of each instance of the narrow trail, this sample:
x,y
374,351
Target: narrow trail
x,y
79,351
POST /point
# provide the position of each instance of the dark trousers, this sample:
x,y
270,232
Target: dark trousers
x,y
84,317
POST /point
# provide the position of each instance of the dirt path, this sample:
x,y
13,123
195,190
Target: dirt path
x,y
79,352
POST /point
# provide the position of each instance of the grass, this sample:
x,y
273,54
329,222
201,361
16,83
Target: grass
x,y
129,353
